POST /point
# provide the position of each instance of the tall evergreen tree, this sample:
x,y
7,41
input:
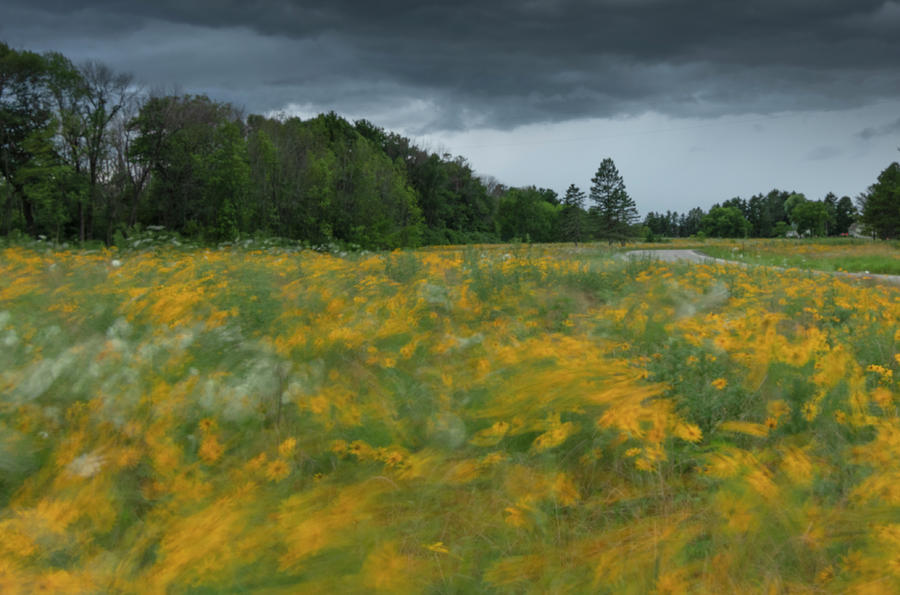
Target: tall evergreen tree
x,y
830,202
572,223
845,215
689,223
614,211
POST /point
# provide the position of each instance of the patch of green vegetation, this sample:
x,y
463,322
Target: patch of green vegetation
x,y
835,254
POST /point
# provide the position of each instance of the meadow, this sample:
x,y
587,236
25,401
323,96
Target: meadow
x,y
823,254
448,420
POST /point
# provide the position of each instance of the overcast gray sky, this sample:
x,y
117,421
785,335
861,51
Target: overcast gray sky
x,y
696,101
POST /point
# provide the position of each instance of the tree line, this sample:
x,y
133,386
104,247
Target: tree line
x,y
781,213
86,156
775,214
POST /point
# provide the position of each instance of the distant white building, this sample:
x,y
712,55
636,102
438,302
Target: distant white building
x,y
858,230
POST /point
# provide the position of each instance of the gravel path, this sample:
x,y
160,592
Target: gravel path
x,y
695,257
673,256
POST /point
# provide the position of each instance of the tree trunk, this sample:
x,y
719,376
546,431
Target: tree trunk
x,y
28,212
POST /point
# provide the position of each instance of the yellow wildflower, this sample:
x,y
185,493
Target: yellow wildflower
x,y
515,516
689,432
883,397
438,548
797,465
672,582
277,470
362,451
128,457
256,462
719,383
563,488
210,449
493,459
490,436
810,410
556,435
286,448
885,373
644,464
777,408
825,575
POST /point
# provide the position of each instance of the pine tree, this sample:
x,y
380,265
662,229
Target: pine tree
x,y
572,222
614,211
845,215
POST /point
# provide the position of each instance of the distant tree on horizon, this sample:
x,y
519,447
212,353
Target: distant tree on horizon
x,y
810,217
725,222
845,215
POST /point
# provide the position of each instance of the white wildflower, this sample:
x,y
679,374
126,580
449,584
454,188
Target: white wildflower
x,y
87,465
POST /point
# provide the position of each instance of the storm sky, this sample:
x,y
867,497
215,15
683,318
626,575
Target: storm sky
x,y
695,101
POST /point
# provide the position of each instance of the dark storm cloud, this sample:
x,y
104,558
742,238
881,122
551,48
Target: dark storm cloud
x,y
505,63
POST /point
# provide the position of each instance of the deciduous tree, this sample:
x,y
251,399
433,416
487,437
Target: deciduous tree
x,y
881,210
725,222
25,110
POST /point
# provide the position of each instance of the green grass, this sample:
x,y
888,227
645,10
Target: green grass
x,y
851,255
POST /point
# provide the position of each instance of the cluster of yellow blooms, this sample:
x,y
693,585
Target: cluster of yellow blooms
x,y
454,419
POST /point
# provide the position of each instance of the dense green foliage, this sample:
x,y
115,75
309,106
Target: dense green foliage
x,y
881,210
84,156
776,214
725,222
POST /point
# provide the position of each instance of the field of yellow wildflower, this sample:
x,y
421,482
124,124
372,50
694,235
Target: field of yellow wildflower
x,y
480,419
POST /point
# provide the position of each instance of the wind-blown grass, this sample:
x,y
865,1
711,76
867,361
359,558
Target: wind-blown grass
x,y
448,420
